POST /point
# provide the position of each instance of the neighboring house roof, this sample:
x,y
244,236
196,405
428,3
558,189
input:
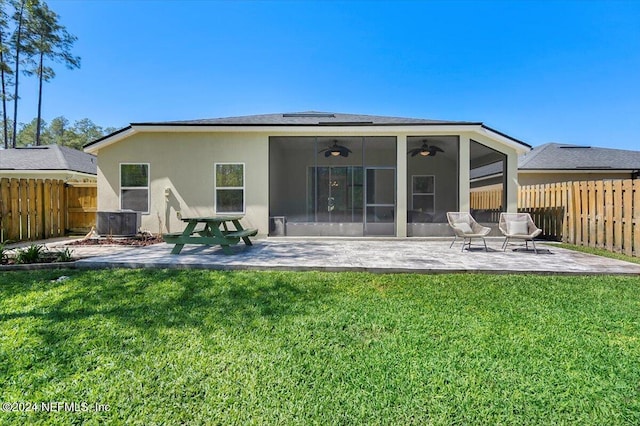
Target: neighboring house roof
x,y
48,157
555,156
300,119
566,157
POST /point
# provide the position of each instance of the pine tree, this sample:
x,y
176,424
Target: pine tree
x,y
47,39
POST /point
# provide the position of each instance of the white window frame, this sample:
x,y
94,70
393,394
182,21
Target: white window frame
x,y
423,193
216,188
148,187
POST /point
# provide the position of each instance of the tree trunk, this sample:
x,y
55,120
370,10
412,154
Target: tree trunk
x,y
4,100
17,74
40,70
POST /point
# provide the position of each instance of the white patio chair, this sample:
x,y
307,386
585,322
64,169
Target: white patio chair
x,y
465,227
518,226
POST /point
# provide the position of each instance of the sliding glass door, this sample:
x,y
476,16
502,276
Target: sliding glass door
x,y
335,194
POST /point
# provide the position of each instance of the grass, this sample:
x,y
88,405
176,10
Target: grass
x,y
202,347
599,252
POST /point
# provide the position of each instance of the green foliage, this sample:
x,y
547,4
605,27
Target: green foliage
x,y
31,38
60,132
600,252
196,347
65,255
31,254
3,251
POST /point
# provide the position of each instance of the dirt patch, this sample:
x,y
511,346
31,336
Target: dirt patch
x,y
138,240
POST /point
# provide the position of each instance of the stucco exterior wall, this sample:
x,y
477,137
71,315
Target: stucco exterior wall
x,y
183,163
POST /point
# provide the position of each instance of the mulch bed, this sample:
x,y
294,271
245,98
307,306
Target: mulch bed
x,y
139,240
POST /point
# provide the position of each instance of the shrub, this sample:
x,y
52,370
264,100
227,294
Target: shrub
x,y
31,254
65,255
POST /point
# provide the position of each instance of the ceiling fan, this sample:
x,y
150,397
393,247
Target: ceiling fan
x,y
336,150
425,150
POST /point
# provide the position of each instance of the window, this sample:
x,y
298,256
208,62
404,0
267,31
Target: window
x,y
134,187
423,193
229,187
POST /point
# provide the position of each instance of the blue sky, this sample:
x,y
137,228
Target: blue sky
x,y
540,71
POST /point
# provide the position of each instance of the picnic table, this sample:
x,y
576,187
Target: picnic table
x,y
213,231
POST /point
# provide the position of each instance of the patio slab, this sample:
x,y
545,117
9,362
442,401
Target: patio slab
x,y
374,255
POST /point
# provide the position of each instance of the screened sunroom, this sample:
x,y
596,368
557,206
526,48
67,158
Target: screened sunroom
x,y
333,186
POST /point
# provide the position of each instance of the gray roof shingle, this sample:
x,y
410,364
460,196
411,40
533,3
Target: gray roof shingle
x,y
48,157
307,118
555,156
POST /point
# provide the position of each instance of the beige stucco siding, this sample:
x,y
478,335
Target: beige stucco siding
x,y
184,163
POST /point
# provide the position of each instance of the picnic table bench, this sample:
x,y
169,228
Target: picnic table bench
x,y
210,231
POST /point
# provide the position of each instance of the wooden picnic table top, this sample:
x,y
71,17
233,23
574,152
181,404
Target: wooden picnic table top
x,y
212,219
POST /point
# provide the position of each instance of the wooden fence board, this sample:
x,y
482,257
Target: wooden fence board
x,y
24,211
599,204
617,216
46,208
14,196
4,209
603,214
636,218
40,209
32,210
627,211
608,202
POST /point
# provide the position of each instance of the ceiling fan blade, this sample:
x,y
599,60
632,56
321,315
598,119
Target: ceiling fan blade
x,y
327,153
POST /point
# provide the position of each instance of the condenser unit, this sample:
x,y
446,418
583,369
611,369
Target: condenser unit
x,y
119,223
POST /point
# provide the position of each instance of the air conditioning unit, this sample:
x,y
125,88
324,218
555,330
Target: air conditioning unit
x,y
121,223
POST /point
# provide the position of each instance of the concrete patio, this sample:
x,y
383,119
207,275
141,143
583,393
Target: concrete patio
x,y
374,255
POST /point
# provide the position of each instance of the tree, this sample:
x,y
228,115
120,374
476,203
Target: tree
x,y
61,133
5,69
48,40
21,15
57,129
82,132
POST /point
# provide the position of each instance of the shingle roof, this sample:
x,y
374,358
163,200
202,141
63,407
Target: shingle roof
x,y
555,156
48,157
306,118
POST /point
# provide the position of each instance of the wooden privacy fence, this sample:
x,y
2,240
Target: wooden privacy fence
x,y
82,204
34,209
602,214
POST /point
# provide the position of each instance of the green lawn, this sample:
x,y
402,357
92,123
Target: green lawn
x,y
198,347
